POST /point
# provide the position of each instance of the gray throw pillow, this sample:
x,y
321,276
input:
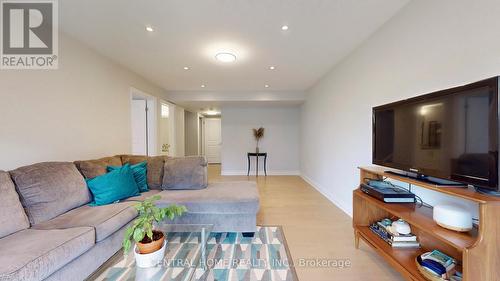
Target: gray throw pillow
x,y
185,173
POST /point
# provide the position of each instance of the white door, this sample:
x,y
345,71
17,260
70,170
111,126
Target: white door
x,y
139,127
213,139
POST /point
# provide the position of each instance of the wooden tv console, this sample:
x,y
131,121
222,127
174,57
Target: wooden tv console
x,y
478,251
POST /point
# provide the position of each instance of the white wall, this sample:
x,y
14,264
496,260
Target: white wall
x,y
429,45
191,133
80,111
179,132
281,138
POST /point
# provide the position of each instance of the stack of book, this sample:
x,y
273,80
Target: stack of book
x,y
439,265
396,240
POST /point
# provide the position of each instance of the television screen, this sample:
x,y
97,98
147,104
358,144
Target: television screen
x,y
451,134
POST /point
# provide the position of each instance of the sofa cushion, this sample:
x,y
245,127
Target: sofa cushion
x,y
143,196
12,216
93,168
222,197
185,173
35,254
105,219
154,167
50,189
133,159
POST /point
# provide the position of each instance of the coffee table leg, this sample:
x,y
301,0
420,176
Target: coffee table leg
x,y
203,248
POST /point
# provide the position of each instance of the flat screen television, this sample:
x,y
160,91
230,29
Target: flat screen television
x,y
450,134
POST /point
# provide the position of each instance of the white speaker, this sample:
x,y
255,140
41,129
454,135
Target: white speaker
x,y
452,216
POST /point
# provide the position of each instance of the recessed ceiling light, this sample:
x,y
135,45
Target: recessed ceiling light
x,y
211,112
186,67
267,86
149,28
225,57
203,85
272,67
284,27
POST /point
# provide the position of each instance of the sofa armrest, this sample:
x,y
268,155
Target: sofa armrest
x,y
185,173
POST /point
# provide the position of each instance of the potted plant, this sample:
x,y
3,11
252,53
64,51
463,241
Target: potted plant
x,y
149,242
258,134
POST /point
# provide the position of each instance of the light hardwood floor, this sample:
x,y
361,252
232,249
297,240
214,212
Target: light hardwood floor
x,y
314,229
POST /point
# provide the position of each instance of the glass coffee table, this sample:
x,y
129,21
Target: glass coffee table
x,y
185,257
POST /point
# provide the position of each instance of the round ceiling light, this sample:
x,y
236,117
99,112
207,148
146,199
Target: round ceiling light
x,y
212,112
149,28
225,57
284,27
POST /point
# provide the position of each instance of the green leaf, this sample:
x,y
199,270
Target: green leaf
x,y
150,233
137,206
138,234
126,246
157,214
129,232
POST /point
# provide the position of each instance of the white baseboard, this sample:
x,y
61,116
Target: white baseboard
x,y
269,173
324,193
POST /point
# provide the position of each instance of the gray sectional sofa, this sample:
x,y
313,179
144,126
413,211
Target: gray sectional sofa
x,y
49,232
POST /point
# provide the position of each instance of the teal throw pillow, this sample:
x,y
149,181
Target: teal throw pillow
x,y
114,186
140,174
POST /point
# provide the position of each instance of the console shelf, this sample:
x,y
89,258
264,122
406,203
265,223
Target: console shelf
x,y
421,217
477,250
402,259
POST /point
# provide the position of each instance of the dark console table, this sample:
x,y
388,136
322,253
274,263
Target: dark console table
x,y
257,155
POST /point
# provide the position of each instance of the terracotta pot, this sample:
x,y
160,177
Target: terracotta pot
x,y
147,248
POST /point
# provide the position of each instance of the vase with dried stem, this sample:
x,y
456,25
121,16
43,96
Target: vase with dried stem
x,y
258,134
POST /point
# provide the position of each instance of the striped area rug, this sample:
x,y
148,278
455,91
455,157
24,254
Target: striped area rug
x,y
230,257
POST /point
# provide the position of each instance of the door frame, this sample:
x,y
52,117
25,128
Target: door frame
x,y
201,135
151,119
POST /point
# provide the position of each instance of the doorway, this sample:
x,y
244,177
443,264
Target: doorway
x,y
213,140
166,127
201,135
143,123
